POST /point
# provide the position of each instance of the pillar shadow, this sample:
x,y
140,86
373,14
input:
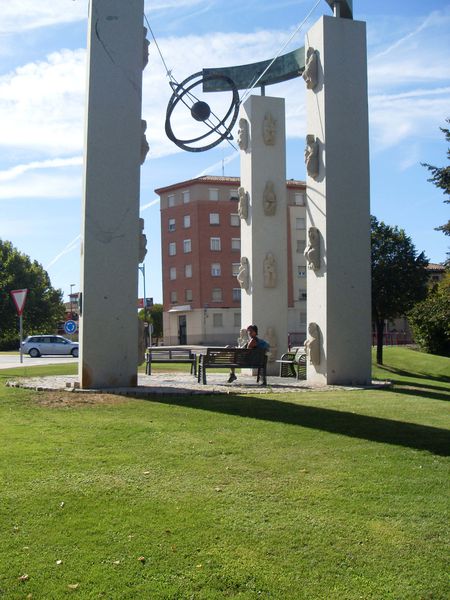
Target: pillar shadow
x,y
374,429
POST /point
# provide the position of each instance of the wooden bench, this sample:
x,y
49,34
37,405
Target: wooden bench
x,y
168,355
233,358
293,364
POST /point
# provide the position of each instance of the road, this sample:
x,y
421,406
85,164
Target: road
x,y
9,361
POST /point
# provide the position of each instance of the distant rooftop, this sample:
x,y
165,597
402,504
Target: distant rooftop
x,y
215,179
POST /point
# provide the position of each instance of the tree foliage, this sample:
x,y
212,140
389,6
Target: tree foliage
x,y
430,320
440,177
44,307
399,276
154,316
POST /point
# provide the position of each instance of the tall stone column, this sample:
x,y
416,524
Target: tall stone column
x,y
110,228
263,210
337,160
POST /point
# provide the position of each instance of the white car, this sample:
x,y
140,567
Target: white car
x,y
36,345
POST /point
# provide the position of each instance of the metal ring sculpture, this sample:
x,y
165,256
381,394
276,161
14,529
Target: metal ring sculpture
x,y
201,112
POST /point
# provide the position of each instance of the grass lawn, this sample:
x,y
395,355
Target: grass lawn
x,y
312,495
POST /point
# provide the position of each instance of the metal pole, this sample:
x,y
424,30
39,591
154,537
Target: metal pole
x,y
21,337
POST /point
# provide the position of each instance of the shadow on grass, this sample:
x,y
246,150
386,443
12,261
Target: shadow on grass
x,y
375,429
414,375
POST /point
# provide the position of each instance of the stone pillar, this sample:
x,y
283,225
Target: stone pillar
x,y
110,227
337,160
264,299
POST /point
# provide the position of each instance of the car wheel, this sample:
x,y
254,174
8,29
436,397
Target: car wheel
x,y
34,353
75,352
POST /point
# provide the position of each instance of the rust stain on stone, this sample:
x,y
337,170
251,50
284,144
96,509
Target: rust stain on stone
x,y
86,376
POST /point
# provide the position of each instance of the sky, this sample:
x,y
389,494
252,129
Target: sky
x,y
42,106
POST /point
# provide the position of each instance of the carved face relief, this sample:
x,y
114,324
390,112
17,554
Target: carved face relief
x,y
243,203
243,275
142,241
312,250
243,134
144,144
269,130
145,47
312,344
312,156
269,199
270,271
310,74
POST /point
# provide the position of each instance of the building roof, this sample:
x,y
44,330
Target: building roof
x,y
217,179
436,267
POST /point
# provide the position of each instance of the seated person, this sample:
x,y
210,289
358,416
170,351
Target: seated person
x,y
253,342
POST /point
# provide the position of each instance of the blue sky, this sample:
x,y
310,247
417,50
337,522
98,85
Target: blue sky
x,y
42,92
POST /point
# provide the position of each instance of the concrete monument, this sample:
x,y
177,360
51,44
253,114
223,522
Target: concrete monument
x,y
269,199
310,74
110,227
312,156
312,250
243,135
243,275
243,203
312,344
269,129
270,271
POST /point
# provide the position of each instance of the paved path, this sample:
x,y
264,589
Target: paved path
x,y
180,383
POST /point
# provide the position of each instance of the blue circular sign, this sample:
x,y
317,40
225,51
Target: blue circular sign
x,y
70,326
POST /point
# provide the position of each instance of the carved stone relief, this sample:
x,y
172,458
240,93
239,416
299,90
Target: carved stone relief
x,y
312,156
243,134
312,250
269,199
142,241
242,340
271,337
144,144
243,275
269,130
270,271
312,344
145,46
310,74
243,203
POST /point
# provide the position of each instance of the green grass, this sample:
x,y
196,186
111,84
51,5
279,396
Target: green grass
x,y
317,495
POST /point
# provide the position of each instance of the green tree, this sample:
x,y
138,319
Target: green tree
x,y
430,319
155,317
399,276
441,178
44,307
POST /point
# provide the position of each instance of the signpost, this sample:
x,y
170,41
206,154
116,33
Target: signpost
x,y
19,297
70,327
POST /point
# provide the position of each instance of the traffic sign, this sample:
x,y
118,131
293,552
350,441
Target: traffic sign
x,y
19,297
70,326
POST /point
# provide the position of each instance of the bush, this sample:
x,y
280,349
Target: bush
x,y
430,320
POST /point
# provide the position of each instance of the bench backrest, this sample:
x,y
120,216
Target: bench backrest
x,y
168,354
239,356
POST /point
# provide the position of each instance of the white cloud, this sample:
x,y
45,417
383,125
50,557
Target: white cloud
x,y
43,185
14,172
72,245
23,15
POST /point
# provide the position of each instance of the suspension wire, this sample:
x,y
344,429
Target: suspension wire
x,y
299,27
168,71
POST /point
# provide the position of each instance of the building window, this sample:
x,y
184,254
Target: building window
x,y
235,243
171,224
188,295
171,200
214,243
302,295
237,319
217,320
300,199
186,195
237,294
173,273
217,295
213,194
300,223
235,269
234,220
214,219
216,270
186,246
172,248
301,271
186,221
188,271
173,297
234,195
301,245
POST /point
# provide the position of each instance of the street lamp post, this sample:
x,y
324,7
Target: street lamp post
x,y
70,298
147,335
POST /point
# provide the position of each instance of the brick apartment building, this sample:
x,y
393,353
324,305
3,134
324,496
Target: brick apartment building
x,y
200,238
